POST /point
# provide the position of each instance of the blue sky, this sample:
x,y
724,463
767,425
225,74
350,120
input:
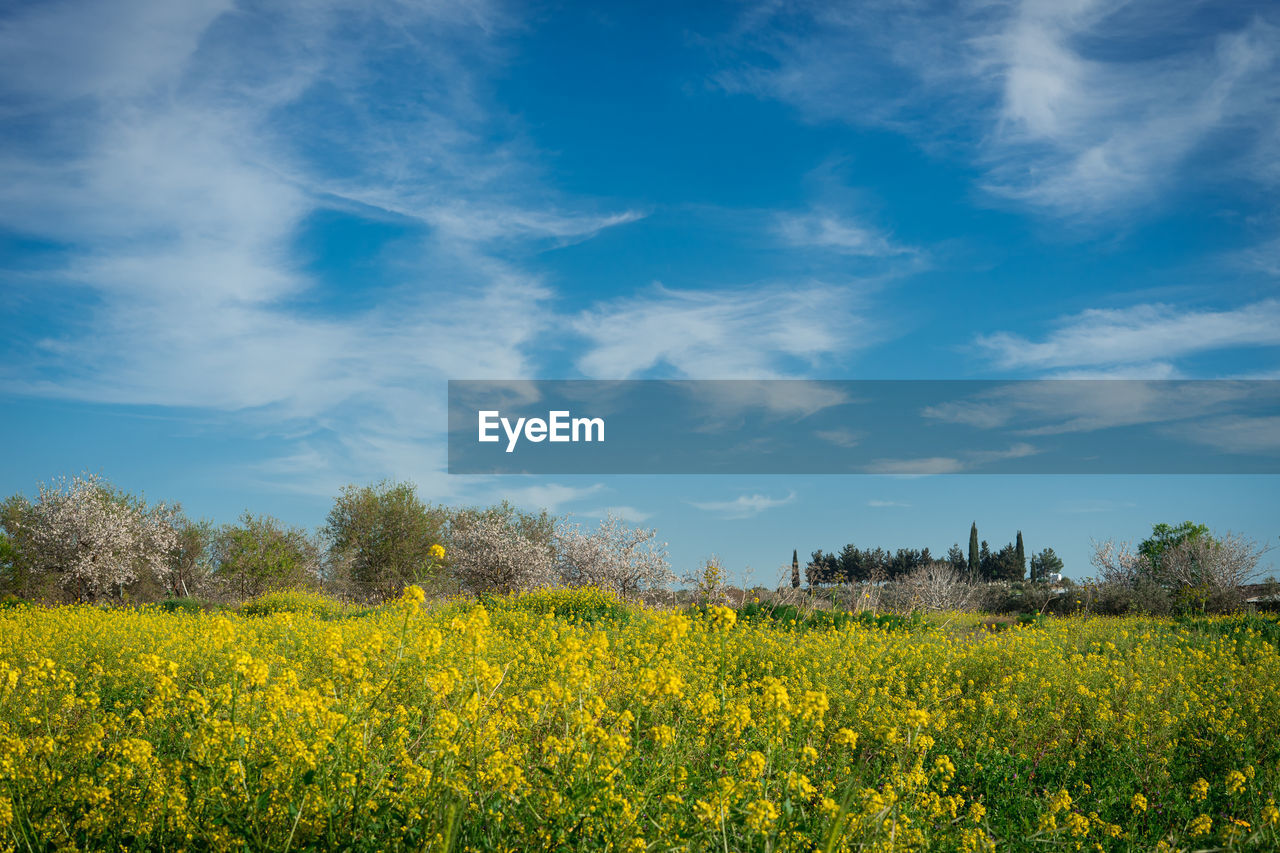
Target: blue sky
x,y
243,246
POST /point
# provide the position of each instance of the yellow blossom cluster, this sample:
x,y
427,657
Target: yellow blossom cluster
x,y
570,720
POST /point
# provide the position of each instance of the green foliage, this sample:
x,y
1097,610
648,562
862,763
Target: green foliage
x,y
975,561
788,615
382,536
260,554
192,560
181,605
1045,564
583,605
1241,628
1165,536
17,574
293,601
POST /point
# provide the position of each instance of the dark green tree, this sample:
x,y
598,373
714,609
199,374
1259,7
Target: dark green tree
x,y
955,556
795,569
986,570
261,553
1045,564
1004,565
1021,555
975,563
17,575
1166,536
191,560
381,535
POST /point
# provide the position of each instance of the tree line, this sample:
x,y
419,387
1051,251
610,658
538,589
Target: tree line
x,y
852,564
83,539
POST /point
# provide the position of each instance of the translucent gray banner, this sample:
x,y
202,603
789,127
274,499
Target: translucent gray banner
x,y
864,427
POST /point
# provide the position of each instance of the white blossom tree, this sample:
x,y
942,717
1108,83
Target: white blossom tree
x,y
627,560
1221,563
489,555
1117,562
937,586
96,540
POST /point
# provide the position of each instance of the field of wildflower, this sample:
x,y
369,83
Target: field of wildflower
x,y
569,721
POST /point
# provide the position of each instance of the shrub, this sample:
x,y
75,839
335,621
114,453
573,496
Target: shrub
x,y
181,605
582,605
627,560
292,601
489,555
261,554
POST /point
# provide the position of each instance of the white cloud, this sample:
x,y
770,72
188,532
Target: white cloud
x,y
1234,433
933,465
827,230
1054,407
629,514
886,504
758,332
1140,335
744,506
1084,110
549,496
840,437
180,150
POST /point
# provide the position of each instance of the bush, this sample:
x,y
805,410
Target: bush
x,y
292,601
181,605
790,615
582,605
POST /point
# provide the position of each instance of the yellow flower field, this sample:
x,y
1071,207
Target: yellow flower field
x,y
567,721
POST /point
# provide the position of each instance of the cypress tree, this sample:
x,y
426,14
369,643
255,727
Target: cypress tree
x,y
973,552
795,569
1020,555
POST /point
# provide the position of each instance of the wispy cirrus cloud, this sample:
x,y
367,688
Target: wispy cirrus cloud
x,y
828,230
743,506
763,331
958,464
179,153
1149,335
1081,110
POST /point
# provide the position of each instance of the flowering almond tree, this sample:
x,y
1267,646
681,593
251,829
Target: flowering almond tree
x,y
95,539
614,556
489,555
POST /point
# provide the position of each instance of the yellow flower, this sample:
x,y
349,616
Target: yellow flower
x,y
436,552
1138,803
1235,782
1202,825
847,737
761,815
413,594
1199,790
752,765
722,617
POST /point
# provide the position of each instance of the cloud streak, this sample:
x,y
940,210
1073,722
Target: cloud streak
x,y
743,506
1080,110
1139,335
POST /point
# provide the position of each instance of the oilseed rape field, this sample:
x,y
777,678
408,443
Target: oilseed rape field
x,y
570,721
